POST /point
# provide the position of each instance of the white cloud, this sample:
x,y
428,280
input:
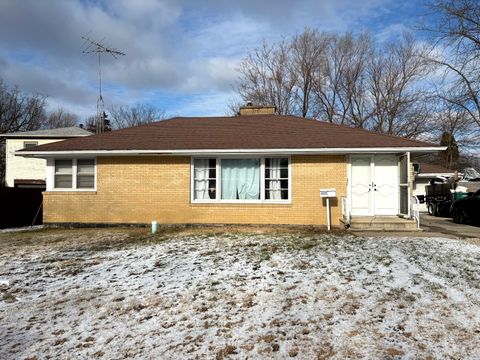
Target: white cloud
x,y
211,74
391,32
175,47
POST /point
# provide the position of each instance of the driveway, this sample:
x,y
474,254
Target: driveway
x,y
446,226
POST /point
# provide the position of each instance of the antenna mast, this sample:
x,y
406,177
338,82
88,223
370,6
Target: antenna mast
x,y
91,46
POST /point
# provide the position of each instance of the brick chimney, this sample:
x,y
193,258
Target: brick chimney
x,y
250,109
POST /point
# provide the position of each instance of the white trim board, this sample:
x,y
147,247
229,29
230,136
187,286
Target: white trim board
x,y
220,152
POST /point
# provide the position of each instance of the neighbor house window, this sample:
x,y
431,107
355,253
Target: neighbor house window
x,y
241,179
29,144
74,174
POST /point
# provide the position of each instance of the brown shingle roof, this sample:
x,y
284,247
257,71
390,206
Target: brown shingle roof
x,y
239,132
434,169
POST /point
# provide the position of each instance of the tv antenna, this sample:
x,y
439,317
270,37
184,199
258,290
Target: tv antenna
x,y
91,46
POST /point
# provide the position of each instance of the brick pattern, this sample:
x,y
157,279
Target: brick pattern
x,y
142,189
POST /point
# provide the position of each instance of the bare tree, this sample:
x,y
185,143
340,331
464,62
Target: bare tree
x,y
266,78
128,116
455,130
399,100
341,93
20,111
308,57
91,124
458,33
344,79
234,103
61,118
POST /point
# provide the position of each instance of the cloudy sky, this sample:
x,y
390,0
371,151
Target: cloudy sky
x,y
181,56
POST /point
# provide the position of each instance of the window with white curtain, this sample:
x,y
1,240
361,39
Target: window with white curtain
x,y
241,179
205,179
276,179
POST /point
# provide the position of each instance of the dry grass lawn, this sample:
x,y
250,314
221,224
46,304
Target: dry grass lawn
x,y
236,293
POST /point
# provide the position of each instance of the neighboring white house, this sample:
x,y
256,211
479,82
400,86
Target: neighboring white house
x,y
29,172
423,174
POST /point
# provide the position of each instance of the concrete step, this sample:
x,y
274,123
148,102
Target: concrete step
x,y
381,223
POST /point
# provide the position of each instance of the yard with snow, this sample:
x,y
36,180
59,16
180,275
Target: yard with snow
x,y
236,293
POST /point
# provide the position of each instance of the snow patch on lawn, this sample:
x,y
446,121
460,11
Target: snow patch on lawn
x,y
237,295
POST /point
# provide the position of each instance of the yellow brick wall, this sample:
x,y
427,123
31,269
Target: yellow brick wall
x,y
142,189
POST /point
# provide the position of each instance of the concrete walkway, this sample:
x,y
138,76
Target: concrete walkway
x,y
433,226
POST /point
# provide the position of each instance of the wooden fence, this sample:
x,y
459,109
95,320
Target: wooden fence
x,y
20,206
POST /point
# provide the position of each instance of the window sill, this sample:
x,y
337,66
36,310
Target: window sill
x,y
72,191
252,202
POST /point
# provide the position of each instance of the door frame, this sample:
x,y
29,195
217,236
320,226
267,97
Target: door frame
x,y
372,194
406,185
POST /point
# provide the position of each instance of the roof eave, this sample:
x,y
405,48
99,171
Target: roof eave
x,y
430,175
217,152
7,136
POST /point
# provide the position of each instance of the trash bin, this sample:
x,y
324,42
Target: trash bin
x,y
459,195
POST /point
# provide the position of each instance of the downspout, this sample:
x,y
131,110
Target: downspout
x,y
409,187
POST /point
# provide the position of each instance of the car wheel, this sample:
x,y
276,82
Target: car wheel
x,y
431,209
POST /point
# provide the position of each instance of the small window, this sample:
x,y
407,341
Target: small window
x,y
85,174
276,179
74,174
205,179
63,174
29,144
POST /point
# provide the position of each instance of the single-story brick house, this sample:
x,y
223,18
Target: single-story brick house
x,y
256,168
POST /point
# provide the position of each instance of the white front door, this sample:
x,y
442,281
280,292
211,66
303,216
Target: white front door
x,y
374,185
385,185
361,185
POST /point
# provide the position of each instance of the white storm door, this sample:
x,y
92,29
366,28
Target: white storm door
x,y
385,185
361,185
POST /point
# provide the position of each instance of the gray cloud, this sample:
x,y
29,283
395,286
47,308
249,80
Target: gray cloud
x,y
181,47
44,82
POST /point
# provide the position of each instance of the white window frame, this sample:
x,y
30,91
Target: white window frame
x,y
30,143
219,200
51,174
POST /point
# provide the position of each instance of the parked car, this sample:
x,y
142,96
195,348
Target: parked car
x,y
467,209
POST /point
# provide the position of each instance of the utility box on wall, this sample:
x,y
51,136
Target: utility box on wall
x,y
328,193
